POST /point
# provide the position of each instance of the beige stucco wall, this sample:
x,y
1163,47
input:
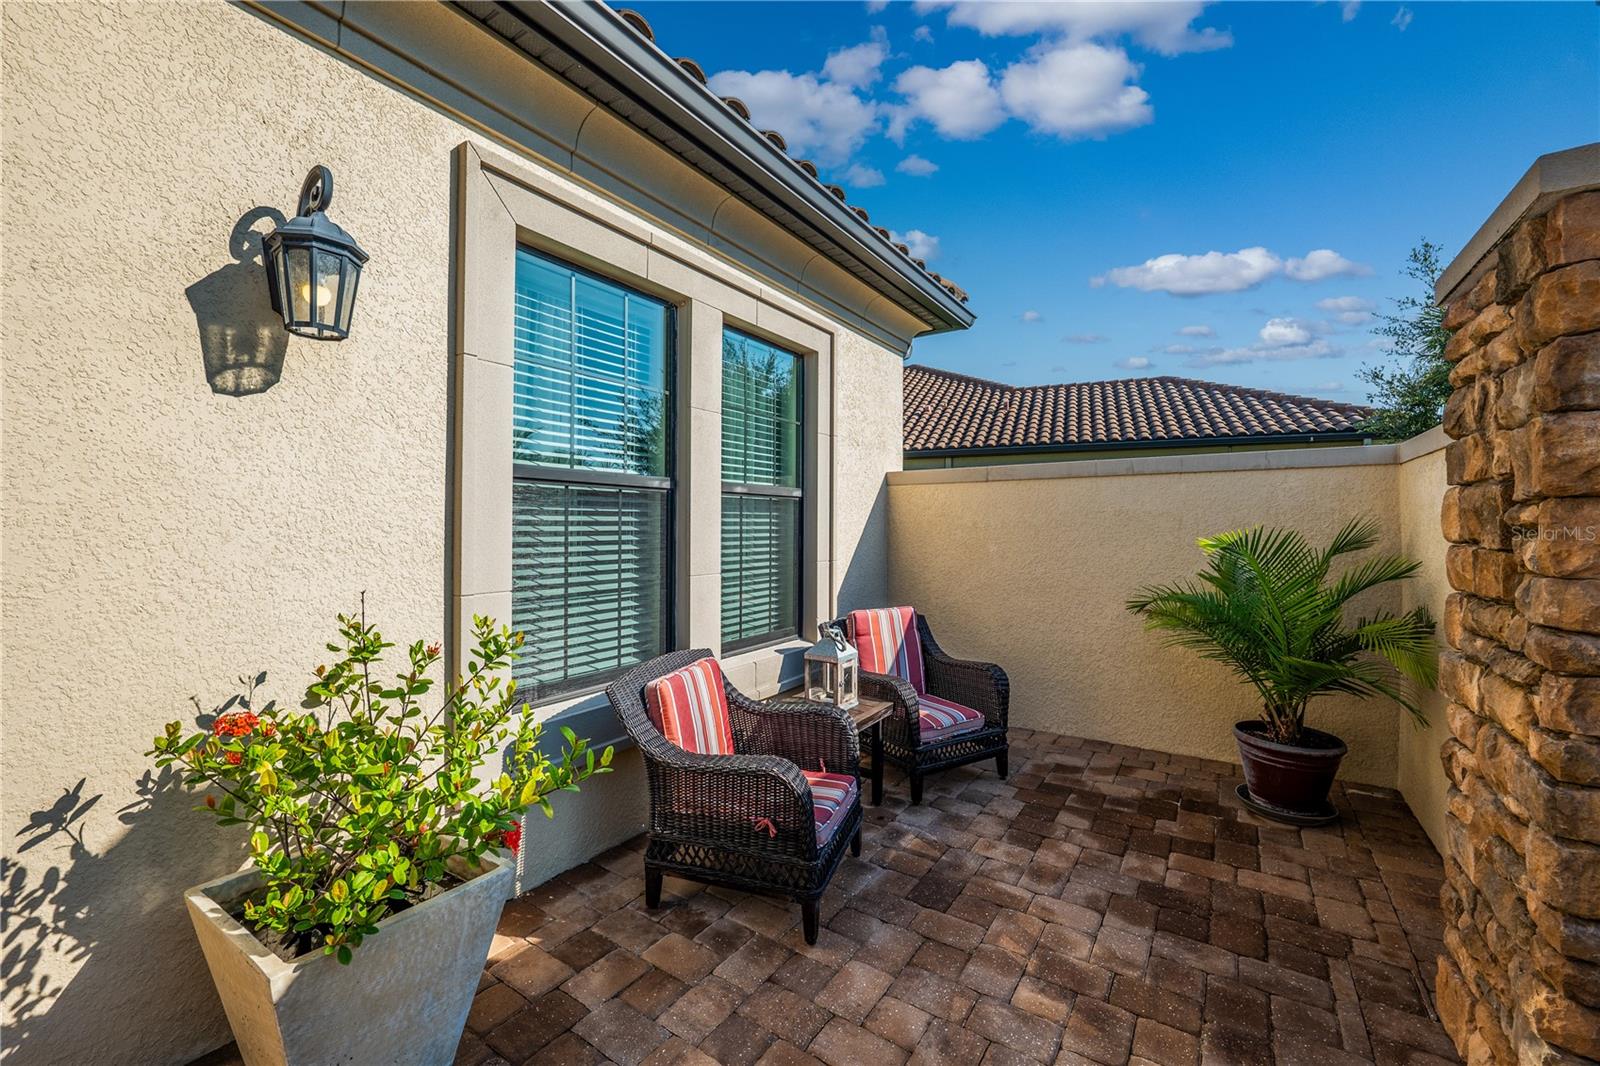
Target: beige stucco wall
x,y
1030,566
1419,775
866,442
161,539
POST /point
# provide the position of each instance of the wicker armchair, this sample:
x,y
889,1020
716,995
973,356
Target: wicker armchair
x,y
744,820
983,687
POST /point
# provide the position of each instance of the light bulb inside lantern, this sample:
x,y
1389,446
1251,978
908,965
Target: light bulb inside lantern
x,y
324,294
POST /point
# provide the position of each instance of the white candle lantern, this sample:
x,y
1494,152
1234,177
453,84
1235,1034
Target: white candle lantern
x,y
833,673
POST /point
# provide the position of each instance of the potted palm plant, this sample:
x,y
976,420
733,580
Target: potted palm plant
x,y
1267,606
358,931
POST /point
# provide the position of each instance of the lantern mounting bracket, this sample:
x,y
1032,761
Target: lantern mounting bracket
x,y
316,192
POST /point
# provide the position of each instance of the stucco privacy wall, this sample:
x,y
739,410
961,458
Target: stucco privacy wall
x,y
1419,482
161,539
1030,567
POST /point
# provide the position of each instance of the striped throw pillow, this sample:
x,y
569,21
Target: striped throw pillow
x,y
886,639
690,707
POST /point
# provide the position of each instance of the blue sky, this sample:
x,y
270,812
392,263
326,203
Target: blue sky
x,y
1075,166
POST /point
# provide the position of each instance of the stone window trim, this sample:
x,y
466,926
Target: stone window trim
x,y
501,204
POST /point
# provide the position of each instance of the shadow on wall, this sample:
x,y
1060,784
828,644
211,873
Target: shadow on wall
x,y
111,918
242,340
866,580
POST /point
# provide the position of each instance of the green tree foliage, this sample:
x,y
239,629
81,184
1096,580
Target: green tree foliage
x,y
1409,392
1266,607
359,801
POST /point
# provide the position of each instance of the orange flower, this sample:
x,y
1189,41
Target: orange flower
x,y
237,724
234,758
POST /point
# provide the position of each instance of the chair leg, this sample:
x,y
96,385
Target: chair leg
x,y
855,844
916,790
652,887
808,919
1000,764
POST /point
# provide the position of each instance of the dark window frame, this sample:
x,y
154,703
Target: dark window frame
x,y
782,634
666,484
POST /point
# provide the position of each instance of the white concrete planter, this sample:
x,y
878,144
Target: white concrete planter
x,y
403,999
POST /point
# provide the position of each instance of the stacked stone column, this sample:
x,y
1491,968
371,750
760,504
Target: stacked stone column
x,y
1520,979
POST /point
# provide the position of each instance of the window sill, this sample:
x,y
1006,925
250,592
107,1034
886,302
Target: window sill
x,y
591,717
761,644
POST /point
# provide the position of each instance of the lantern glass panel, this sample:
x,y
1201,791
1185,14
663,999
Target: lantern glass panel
x,y
847,687
817,688
347,302
298,265
325,293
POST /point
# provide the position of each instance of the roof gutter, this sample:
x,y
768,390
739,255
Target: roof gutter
x,y
1344,436
596,37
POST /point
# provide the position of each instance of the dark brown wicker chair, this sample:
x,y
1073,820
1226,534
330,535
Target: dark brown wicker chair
x,y
704,809
982,686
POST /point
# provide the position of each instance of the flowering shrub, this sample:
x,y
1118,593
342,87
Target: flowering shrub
x,y
358,799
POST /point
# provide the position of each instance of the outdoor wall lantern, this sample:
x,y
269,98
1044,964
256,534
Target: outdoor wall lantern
x,y
314,266
832,670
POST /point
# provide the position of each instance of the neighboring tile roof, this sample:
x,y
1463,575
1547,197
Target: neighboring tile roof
x,y
946,411
637,23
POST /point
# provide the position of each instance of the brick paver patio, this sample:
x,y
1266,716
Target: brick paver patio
x,y
1104,905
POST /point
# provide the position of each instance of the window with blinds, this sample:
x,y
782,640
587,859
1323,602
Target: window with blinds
x,y
761,494
592,489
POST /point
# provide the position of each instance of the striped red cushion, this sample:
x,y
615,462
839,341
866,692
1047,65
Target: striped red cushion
x,y
690,707
830,801
941,718
886,639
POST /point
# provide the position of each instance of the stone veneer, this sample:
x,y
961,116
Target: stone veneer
x,y
1520,977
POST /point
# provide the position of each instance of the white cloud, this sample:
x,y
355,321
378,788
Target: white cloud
x,y
1282,331
959,100
856,66
1402,18
818,118
1161,26
1133,362
1197,331
1032,316
1329,386
861,176
1347,310
922,245
916,166
1084,338
1322,263
1348,9
1070,90
1076,90
875,6
1265,352
1197,275
922,33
